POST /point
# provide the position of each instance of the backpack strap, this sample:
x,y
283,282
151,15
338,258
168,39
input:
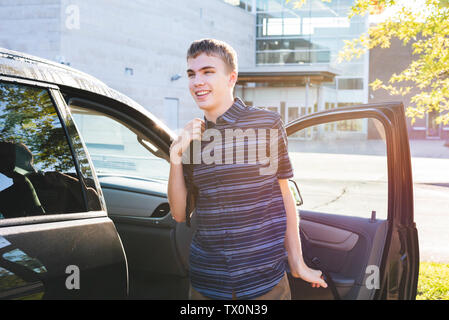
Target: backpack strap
x,y
192,191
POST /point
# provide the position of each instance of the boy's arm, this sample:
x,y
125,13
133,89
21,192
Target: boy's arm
x,y
177,191
296,262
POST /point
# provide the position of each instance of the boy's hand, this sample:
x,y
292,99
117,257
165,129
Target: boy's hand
x,y
193,130
313,276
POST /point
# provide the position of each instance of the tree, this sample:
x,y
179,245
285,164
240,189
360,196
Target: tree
x,y
426,28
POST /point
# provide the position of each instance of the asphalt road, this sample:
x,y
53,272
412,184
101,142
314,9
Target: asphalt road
x,y
354,184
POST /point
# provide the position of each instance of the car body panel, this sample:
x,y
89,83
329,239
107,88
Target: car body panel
x,y
45,256
42,253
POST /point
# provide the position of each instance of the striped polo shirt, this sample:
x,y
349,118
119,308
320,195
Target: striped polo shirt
x,y
238,246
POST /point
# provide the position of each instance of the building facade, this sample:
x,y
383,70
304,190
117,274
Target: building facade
x,y
287,55
137,47
296,70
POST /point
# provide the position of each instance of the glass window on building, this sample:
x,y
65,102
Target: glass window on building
x,y
350,83
311,34
350,125
293,113
329,127
244,4
269,5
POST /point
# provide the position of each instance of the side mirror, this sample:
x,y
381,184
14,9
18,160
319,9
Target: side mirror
x,y
295,191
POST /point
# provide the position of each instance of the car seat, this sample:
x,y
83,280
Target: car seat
x,y
20,199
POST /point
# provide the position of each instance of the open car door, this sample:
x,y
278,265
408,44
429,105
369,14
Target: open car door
x,y
352,166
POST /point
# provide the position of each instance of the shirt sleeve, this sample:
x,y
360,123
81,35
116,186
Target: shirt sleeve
x,y
284,168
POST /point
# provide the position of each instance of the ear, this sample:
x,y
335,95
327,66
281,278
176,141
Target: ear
x,y
233,76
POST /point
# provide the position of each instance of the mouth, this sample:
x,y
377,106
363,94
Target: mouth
x,y
202,94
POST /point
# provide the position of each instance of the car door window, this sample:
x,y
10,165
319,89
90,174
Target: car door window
x,y
37,171
341,167
116,149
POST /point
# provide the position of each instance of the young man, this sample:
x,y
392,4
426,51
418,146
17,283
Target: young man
x,y
247,218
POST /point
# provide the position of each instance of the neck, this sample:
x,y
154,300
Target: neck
x,y
214,113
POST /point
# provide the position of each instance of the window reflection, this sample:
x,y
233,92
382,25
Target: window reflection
x,y
21,258
34,156
9,280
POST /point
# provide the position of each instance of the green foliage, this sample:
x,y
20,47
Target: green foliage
x,y
427,30
27,115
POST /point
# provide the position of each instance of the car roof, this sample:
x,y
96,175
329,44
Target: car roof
x,y
20,65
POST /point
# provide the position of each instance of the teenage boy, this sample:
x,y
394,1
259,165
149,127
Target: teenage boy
x,y
247,218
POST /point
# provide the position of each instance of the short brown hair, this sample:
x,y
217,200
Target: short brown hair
x,y
215,48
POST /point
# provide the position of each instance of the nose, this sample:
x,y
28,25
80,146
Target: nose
x,y
197,81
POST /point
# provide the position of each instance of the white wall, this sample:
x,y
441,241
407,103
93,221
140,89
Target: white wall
x,y
152,39
104,37
31,26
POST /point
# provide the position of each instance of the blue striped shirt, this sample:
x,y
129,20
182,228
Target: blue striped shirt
x,y
239,242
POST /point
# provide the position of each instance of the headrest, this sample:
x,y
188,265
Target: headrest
x,y
7,157
15,157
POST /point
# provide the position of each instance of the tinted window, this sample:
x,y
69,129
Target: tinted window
x,y
95,200
37,171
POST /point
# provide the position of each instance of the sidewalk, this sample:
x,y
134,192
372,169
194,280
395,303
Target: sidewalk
x,y
418,148
429,149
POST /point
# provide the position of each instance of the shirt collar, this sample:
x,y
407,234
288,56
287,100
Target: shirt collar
x,y
231,115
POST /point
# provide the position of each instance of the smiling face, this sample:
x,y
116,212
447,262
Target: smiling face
x,y
210,82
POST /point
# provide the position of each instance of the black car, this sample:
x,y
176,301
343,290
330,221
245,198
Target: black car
x,y
69,231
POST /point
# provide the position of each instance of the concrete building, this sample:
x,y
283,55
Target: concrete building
x,y
287,56
137,47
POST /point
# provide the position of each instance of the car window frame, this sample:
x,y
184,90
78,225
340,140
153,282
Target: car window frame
x,y
131,123
57,95
51,89
140,129
125,119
